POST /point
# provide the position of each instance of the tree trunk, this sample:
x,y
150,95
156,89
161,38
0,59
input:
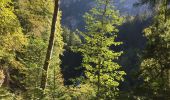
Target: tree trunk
x,y
165,7
100,62
50,47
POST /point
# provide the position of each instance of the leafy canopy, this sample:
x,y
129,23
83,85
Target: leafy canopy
x,y
99,60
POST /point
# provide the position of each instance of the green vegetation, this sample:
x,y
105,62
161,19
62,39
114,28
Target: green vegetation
x,y
99,61
34,45
156,58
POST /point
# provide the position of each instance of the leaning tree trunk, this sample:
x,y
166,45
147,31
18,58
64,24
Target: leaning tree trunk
x,y
50,47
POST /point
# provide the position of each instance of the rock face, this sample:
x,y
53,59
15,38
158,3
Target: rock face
x,y
73,10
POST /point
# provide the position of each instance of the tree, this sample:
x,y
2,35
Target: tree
x,y
35,18
70,38
12,40
50,46
152,3
155,63
99,60
155,5
55,88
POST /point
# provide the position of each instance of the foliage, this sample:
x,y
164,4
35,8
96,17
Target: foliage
x,y
156,63
55,87
11,36
24,33
12,40
81,92
99,61
156,58
70,38
2,77
35,18
6,95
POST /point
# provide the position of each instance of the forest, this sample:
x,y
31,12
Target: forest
x,y
84,49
